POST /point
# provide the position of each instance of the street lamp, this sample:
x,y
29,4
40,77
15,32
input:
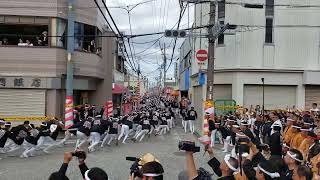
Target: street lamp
x,y
262,79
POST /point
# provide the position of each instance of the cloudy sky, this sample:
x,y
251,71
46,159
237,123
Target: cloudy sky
x,y
150,17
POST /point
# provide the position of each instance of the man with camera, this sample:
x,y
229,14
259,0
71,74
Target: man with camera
x,y
87,174
223,170
145,168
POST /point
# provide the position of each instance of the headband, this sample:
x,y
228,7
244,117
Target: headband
x,y
86,177
226,159
150,175
272,175
304,129
289,119
294,156
307,123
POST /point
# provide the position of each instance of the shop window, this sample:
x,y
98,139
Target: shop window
x,y
23,35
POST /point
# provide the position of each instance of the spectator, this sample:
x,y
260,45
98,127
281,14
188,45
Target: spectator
x,y
87,174
302,173
4,41
28,43
44,38
21,43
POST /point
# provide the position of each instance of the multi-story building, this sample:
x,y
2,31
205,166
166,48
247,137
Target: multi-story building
x,y
33,57
279,43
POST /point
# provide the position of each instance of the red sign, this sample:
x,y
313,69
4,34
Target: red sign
x,y
202,55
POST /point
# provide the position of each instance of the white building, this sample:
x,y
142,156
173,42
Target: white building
x,y
278,43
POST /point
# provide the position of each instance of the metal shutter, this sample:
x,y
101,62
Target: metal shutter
x,y
22,102
222,92
276,97
312,96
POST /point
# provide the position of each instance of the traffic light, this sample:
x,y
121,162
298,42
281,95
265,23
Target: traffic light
x,y
176,33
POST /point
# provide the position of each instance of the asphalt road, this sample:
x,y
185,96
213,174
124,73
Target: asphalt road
x,y
111,159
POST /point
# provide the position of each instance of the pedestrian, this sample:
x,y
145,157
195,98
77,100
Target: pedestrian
x,y
192,116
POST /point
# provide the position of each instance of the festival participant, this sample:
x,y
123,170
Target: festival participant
x,y
4,135
98,128
112,134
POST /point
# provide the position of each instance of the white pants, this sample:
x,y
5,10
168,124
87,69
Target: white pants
x,y
191,125
185,125
67,136
111,137
163,129
81,139
171,123
95,140
50,144
138,129
29,149
213,137
12,147
227,143
125,131
141,134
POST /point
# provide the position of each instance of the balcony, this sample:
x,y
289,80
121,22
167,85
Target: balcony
x,y
47,62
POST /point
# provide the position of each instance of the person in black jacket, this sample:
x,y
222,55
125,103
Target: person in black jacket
x,y
146,127
31,141
223,170
275,142
98,128
17,136
4,135
113,127
192,116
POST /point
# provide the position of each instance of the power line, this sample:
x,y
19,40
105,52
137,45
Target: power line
x,y
104,4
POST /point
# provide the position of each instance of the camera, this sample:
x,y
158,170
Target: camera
x,y
188,146
135,169
79,154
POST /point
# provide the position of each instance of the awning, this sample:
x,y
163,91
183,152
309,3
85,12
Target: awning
x,y
119,89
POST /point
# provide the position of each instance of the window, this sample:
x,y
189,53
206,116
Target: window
x,y
221,9
23,35
269,30
269,8
78,32
61,33
221,36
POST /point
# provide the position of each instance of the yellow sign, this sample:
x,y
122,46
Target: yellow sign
x,y
228,107
21,118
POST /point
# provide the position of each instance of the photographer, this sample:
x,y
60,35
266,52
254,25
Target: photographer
x,y
87,174
224,170
145,168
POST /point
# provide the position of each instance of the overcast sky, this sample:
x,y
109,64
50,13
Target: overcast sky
x,y
151,17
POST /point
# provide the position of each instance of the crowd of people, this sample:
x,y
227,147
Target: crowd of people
x,y
257,145
90,126
270,145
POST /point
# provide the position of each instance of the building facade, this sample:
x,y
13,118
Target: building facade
x,y
279,43
33,59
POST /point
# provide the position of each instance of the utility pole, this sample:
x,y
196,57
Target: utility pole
x,y
210,69
69,81
164,65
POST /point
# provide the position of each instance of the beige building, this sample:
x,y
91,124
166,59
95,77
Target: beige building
x,y
32,77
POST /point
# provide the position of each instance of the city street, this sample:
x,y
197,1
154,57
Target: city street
x,y
111,159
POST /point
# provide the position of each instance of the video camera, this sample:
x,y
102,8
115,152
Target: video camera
x,y
188,146
135,169
80,154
